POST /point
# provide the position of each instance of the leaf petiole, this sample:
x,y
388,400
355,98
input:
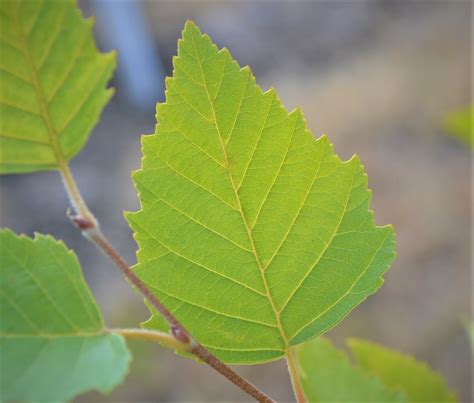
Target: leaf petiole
x,y
295,377
163,338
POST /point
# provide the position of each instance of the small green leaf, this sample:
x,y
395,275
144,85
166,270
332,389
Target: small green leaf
x,y
460,124
328,376
52,83
402,372
254,234
53,344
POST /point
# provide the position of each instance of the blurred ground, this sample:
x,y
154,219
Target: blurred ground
x,y
378,77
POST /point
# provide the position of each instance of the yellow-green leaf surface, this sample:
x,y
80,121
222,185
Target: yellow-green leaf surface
x,y
402,372
52,83
253,233
52,339
460,124
328,375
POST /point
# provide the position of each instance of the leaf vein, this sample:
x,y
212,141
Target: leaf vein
x,y
180,131
194,108
194,182
32,363
300,208
275,179
42,335
16,75
19,310
322,252
5,41
40,287
70,67
202,225
257,144
19,107
71,117
199,264
213,310
30,29
185,73
25,139
348,292
238,110
85,305
52,39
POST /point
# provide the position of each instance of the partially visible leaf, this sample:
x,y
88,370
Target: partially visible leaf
x,y
254,234
53,344
52,83
402,372
460,124
328,376
470,332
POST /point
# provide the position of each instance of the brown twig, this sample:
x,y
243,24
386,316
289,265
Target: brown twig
x,y
85,221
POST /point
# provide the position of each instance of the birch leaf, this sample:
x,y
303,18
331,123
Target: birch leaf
x,y
53,344
402,372
460,124
328,375
52,83
254,234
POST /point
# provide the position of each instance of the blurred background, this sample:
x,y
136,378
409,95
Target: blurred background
x,y
380,78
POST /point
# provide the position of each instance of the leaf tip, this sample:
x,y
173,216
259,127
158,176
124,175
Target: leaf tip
x,y
190,27
90,21
355,159
190,23
113,54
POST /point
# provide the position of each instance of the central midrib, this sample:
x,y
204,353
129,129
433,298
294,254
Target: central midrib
x,y
257,258
42,335
52,134
242,215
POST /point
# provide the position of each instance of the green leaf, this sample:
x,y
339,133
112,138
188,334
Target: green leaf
x,y
53,344
402,372
254,234
469,325
328,376
52,83
381,375
460,123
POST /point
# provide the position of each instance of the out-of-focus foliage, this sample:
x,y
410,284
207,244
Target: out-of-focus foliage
x,y
53,344
460,124
419,382
255,235
470,333
380,374
53,83
328,376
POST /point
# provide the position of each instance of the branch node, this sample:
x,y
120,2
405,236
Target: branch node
x,y
79,221
180,334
